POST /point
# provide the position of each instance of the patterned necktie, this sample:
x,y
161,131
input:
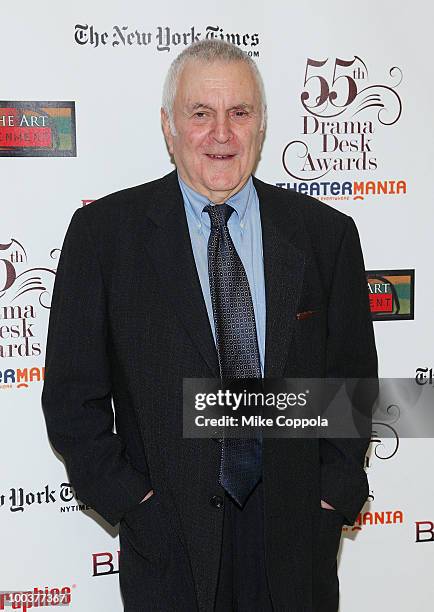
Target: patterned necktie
x,y
237,347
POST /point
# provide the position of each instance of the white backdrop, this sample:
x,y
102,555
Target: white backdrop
x,y
48,540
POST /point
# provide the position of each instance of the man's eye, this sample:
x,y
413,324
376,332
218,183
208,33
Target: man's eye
x,y
241,113
200,114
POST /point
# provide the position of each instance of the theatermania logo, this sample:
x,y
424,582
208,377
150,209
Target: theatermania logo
x,y
342,114
377,517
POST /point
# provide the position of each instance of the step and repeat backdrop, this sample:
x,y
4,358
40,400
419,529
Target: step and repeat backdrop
x,y
350,94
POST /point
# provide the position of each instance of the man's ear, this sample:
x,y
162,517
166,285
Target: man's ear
x,y
263,129
261,138
165,124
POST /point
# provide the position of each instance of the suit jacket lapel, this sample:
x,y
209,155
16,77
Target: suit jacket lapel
x,y
283,270
169,247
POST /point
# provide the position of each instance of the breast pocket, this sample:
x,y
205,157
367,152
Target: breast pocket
x,y
310,340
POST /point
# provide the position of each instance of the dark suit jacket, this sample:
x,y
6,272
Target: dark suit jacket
x,y
128,322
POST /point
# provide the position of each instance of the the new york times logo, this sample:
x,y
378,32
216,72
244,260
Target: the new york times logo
x,y
163,38
424,376
19,499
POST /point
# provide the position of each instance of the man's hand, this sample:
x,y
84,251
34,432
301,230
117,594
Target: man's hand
x,y
149,494
325,505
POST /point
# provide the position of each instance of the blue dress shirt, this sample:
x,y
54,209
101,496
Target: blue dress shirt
x,y
244,226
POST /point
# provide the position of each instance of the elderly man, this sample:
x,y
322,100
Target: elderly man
x,y
208,272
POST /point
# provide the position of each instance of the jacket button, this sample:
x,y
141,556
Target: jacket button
x,y
216,501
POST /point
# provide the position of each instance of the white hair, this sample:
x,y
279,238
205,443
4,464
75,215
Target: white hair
x,y
207,51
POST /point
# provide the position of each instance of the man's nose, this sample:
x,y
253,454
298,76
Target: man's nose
x,y
222,129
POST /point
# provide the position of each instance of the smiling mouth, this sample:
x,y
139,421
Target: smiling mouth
x,y
220,157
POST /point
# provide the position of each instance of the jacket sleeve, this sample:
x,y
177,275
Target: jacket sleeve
x,y
76,397
351,354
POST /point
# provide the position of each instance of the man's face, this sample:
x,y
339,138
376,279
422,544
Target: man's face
x,y
218,120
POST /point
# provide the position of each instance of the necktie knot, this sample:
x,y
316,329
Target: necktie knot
x,y
219,214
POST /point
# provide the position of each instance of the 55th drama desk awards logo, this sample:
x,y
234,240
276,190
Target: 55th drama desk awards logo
x,y
25,300
343,114
37,129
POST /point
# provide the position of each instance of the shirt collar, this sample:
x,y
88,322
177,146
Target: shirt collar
x,y
195,202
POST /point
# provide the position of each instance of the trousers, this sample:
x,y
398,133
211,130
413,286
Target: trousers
x,y
242,583
154,582
153,572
